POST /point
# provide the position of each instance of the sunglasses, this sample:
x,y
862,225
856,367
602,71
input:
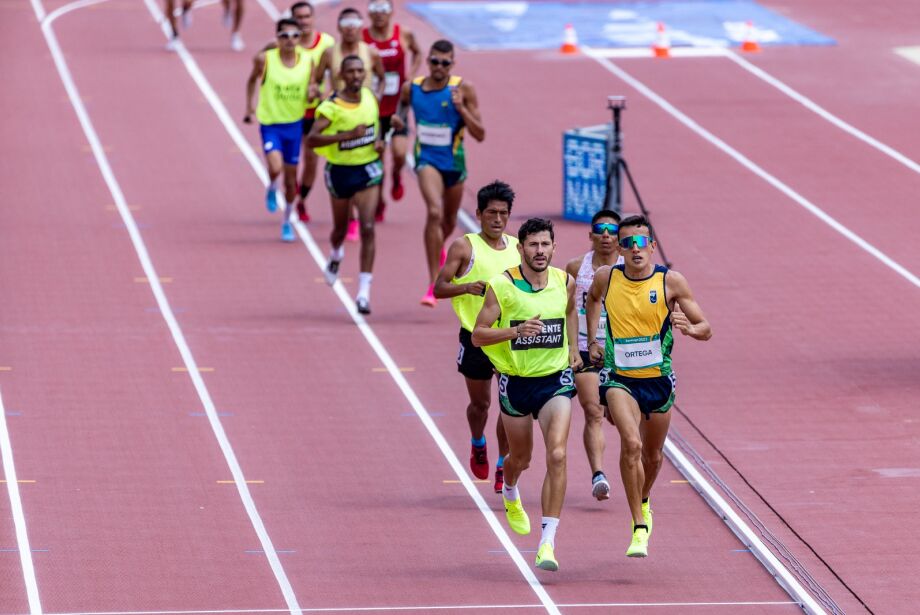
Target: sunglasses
x,y
437,62
380,7
598,228
639,241
351,22
289,34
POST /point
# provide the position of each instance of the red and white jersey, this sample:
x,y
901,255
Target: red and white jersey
x,y
394,67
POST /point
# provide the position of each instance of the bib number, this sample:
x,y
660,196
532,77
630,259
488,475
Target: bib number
x,y
390,84
637,352
374,169
436,136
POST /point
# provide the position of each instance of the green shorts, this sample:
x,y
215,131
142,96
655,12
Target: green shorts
x,y
652,394
522,396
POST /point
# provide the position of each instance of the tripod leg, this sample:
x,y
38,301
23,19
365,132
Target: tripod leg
x,y
632,184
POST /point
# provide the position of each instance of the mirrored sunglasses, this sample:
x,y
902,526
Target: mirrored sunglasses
x,y
351,22
290,34
639,241
598,228
380,7
437,62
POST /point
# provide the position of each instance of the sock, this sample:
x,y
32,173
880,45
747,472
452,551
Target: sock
x,y
501,462
364,285
337,254
596,474
645,500
636,526
510,492
549,531
304,191
478,443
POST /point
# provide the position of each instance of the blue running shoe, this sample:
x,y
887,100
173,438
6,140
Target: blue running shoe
x,y
271,200
287,232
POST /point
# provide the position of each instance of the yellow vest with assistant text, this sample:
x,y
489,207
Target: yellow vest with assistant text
x,y
283,94
487,262
639,336
538,355
344,116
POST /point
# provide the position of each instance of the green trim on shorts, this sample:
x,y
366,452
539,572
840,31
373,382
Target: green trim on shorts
x,y
619,385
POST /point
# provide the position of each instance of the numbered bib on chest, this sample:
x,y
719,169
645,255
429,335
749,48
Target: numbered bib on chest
x,y
390,84
437,136
637,352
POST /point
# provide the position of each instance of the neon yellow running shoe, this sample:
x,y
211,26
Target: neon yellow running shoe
x,y
647,516
639,545
546,558
517,516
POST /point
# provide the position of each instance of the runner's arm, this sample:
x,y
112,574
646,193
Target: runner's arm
x,y
686,316
325,61
401,117
464,98
316,139
411,44
593,311
483,333
258,70
571,323
377,66
458,257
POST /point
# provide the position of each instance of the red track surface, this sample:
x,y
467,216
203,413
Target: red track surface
x,y
808,386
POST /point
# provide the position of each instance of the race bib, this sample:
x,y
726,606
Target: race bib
x,y
437,136
637,352
549,337
601,325
390,84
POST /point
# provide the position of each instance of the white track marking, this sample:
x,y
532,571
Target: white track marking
x,y
444,607
824,113
757,170
648,52
368,333
909,53
19,517
165,309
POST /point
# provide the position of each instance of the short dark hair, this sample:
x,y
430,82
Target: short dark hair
x,y
350,58
300,5
496,191
442,46
636,221
286,22
533,226
348,10
605,213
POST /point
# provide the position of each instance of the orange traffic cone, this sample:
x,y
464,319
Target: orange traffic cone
x,y
662,46
749,44
569,40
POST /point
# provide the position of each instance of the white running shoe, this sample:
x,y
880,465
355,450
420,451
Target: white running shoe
x,y
236,42
172,44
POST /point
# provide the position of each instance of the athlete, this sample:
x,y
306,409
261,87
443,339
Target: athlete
x,y
284,73
347,133
471,261
533,347
391,41
443,106
644,302
233,18
603,238
350,43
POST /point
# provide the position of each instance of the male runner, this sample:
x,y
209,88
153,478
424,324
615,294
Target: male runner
x,y
350,43
233,18
644,302
347,133
285,74
443,106
603,238
391,41
471,261
534,349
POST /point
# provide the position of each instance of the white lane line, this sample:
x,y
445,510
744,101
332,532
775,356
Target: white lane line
x,y
822,112
648,52
154,280
368,333
19,517
73,6
757,170
909,53
453,607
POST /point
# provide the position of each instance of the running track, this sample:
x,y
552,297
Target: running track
x,y
804,399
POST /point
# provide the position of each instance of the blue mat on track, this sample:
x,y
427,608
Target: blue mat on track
x,y
476,24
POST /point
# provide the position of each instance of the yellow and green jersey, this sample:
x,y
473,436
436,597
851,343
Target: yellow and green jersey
x,y
321,42
485,262
639,336
344,116
283,95
538,355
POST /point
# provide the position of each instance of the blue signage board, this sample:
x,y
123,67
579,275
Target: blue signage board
x,y
584,170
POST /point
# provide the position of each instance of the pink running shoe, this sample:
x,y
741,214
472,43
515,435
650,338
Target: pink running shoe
x,y
443,258
352,233
429,298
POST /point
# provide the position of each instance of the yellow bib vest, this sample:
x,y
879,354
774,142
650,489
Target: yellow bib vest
x,y
639,338
487,262
344,116
540,355
283,95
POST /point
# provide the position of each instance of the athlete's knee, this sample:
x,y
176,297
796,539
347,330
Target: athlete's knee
x,y
367,231
434,216
594,415
555,457
652,458
631,448
479,406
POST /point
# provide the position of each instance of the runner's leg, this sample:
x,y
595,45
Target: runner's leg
x,y
626,415
432,187
555,418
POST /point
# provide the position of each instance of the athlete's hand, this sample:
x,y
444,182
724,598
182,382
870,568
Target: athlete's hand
x,y
397,122
476,288
456,97
379,146
247,119
313,92
530,327
575,361
680,321
596,353
357,131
